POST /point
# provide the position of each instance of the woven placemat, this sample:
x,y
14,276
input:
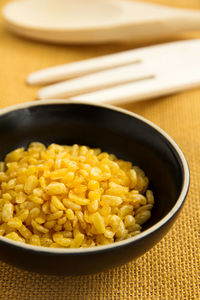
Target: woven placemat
x,y
171,270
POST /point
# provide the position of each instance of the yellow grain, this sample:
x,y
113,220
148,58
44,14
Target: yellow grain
x,y
71,196
56,188
15,223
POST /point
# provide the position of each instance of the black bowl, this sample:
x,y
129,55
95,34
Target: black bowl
x,y
114,130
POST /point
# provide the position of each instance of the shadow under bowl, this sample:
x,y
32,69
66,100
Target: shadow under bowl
x,y
114,130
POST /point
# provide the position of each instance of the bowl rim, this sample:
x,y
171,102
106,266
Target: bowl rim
x,y
155,227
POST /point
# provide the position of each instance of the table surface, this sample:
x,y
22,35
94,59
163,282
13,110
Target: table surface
x,y
171,270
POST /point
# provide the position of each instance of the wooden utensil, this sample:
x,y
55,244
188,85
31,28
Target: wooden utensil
x,y
96,21
132,75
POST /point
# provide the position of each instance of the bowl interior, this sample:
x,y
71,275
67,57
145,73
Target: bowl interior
x,y
128,137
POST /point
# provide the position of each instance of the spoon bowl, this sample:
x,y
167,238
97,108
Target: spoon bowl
x,y
94,21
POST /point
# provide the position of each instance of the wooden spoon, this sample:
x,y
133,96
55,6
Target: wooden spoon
x,y
96,21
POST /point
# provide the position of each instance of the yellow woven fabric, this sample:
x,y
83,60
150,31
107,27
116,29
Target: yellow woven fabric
x,y
171,270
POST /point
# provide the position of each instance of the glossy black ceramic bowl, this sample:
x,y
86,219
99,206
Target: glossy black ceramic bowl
x,y
114,130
